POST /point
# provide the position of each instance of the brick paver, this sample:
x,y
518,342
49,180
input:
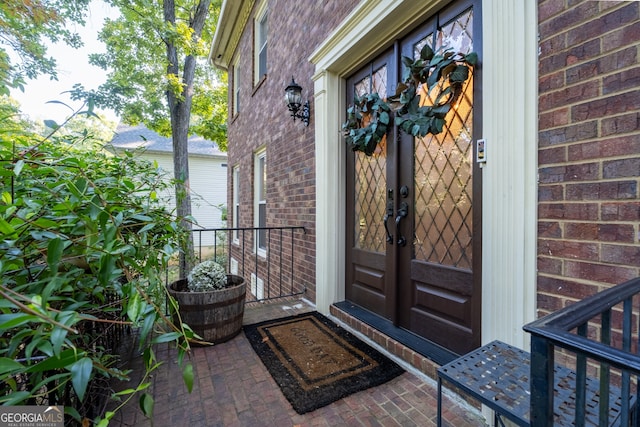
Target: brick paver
x,y
233,388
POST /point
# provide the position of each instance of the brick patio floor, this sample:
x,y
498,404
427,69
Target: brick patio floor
x,y
233,388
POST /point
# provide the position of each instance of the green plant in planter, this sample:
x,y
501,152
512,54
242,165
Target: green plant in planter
x,y
443,74
207,276
210,301
84,240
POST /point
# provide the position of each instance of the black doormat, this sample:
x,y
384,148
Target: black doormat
x,y
315,362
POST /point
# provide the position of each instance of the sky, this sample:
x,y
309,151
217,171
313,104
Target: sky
x,y
73,67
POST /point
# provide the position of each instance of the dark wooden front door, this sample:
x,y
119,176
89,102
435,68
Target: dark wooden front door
x,y
424,193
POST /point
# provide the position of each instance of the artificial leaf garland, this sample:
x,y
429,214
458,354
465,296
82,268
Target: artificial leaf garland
x,y
369,116
365,137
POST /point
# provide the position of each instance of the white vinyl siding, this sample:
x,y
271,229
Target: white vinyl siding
x,y
208,183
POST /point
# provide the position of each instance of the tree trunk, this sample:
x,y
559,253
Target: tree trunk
x,y
180,133
180,112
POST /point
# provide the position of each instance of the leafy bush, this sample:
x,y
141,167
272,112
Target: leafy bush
x,y
84,242
207,276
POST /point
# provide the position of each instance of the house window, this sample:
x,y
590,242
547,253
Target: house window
x,y
235,87
260,36
236,203
260,200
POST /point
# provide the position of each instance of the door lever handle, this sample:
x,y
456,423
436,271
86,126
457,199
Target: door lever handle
x,y
388,215
402,212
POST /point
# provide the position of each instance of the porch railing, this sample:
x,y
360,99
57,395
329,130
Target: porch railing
x,y
599,336
271,271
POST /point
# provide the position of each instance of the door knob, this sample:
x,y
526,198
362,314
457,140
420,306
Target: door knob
x,y
402,212
388,215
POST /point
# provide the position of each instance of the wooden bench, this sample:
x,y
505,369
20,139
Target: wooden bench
x,y
497,375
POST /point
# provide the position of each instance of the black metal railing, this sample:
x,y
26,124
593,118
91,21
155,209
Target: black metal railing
x,y
599,336
269,258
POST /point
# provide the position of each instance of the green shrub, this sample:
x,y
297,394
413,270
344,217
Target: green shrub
x,y
207,276
84,242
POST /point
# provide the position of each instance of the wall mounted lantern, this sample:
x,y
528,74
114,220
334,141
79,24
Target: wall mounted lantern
x,y
293,98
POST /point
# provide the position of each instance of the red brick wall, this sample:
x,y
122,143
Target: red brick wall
x,y
295,29
589,148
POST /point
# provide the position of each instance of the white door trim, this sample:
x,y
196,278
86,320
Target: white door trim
x,y
509,126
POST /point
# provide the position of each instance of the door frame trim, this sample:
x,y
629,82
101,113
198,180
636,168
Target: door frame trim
x,y
509,125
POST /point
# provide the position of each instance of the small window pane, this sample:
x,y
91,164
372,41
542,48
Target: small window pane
x,y
236,89
261,45
262,61
262,222
263,28
262,179
236,201
260,201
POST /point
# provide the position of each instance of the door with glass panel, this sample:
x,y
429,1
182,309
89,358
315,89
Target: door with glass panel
x,y
413,210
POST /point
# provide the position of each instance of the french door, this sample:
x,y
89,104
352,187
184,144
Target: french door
x,y
414,207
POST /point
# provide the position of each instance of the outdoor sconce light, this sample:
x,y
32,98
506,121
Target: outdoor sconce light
x,y
293,98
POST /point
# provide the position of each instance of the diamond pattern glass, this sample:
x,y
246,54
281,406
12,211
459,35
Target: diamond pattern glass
x,y
457,34
443,168
363,86
371,179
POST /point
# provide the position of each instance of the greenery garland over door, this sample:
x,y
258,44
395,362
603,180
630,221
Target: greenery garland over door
x,y
369,116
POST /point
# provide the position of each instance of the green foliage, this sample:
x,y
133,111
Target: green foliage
x,y
24,27
443,72
156,53
84,242
207,276
12,123
141,74
83,128
362,136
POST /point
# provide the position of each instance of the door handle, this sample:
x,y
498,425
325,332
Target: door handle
x,y
388,215
402,212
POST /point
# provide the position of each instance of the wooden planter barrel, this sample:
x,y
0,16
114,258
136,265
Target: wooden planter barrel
x,y
215,315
